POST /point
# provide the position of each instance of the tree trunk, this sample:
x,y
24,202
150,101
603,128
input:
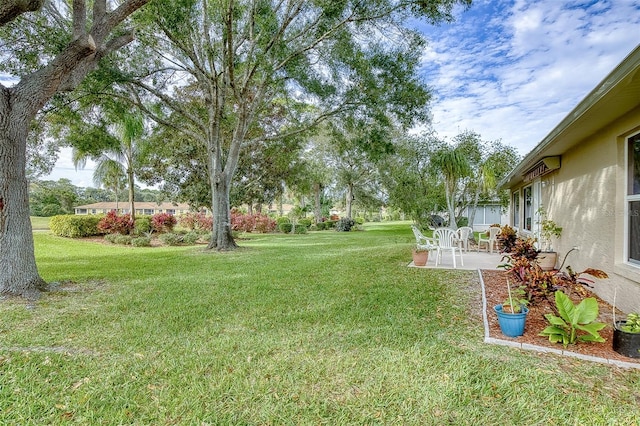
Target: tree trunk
x,y
450,195
474,207
132,207
349,200
18,272
317,208
221,237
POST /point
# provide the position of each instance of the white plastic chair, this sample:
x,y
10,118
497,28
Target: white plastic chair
x,y
447,241
463,237
491,241
423,242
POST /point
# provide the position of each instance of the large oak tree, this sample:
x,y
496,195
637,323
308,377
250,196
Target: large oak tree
x,y
84,35
320,58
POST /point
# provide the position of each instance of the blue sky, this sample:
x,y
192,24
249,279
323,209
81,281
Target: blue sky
x,y
513,69
509,69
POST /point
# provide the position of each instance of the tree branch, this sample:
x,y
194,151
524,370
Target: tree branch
x,y
79,18
11,9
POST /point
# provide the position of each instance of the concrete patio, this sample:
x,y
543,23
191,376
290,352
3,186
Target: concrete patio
x,y
472,261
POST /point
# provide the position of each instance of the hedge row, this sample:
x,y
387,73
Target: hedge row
x,y
73,226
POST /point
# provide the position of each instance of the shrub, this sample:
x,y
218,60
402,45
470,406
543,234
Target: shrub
x,y
285,227
141,242
111,238
242,221
113,223
264,224
73,226
122,239
300,229
170,239
344,225
305,222
142,225
190,238
359,220
322,225
163,222
282,219
196,221
507,238
463,221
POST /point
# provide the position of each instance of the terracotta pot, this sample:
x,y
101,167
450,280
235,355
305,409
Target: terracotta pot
x,y
547,260
420,258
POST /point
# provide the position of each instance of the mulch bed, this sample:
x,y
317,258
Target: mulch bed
x,y
496,293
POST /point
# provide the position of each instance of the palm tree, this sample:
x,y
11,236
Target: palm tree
x,y
110,174
453,165
119,160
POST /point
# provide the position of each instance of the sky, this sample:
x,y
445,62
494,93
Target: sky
x,y
509,70
513,69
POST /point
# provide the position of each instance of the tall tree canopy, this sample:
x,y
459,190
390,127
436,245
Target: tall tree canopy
x,y
48,52
242,57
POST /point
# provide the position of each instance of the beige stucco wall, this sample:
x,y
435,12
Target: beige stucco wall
x,y
586,197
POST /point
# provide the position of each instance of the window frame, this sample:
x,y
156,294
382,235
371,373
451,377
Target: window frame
x,y
525,190
632,195
515,214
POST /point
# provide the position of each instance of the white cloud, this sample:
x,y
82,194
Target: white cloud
x,y
512,70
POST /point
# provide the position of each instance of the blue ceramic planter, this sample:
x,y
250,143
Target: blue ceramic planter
x,y
512,325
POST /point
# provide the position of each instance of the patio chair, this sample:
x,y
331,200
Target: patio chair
x,y
447,241
422,242
463,237
491,241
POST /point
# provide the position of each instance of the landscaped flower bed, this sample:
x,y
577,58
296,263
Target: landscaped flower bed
x,y
496,292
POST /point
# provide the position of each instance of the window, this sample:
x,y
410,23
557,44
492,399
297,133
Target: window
x,y
528,208
148,212
171,211
515,203
633,200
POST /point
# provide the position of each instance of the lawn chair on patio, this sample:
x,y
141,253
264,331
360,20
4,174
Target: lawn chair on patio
x,y
491,241
422,242
463,237
447,241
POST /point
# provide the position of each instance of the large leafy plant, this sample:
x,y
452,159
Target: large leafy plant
x,y
575,323
632,324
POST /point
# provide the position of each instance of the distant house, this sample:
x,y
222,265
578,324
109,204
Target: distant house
x,y
586,174
145,208
486,215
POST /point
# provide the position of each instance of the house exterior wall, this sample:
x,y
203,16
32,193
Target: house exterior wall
x,y
143,208
586,197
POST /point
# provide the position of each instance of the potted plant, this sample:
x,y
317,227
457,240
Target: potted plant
x,y
548,230
420,255
512,313
626,336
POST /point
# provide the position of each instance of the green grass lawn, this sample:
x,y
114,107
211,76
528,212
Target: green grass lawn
x,y
40,223
324,328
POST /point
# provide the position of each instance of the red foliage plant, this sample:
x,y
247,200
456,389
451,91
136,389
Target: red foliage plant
x,y
264,223
113,223
163,222
251,222
196,221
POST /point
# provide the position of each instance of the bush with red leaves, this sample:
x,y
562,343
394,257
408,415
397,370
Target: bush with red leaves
x,y
113,223
163,222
